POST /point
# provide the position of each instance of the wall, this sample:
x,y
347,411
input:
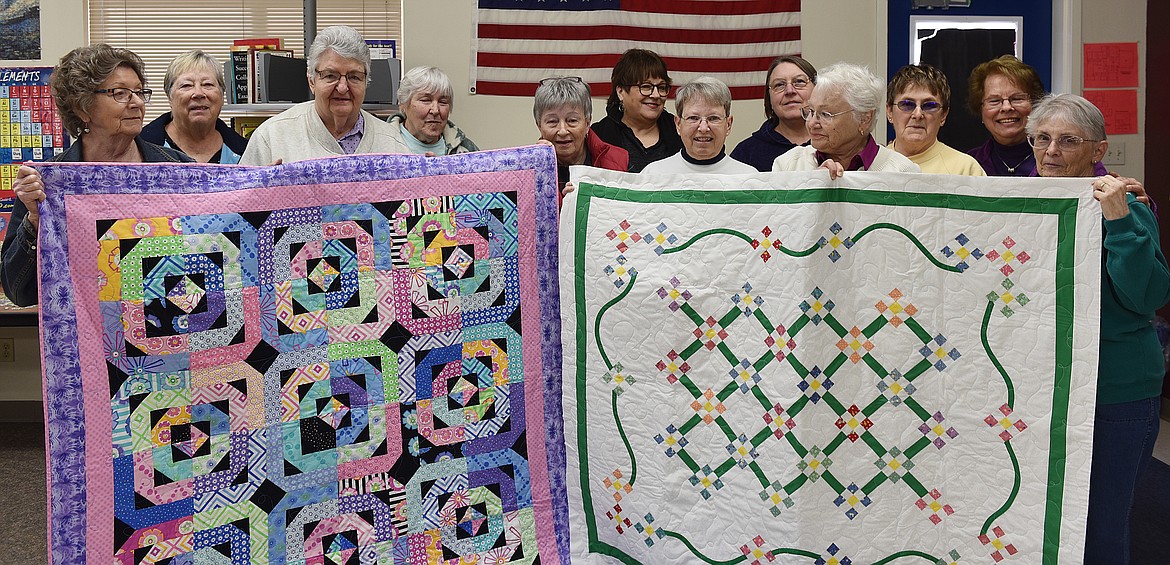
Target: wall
x,y
1120,21
505,121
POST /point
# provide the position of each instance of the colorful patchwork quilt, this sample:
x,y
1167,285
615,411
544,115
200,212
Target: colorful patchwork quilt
x,y
886,368
335,361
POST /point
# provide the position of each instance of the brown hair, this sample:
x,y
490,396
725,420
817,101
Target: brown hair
x,y
1020,73
921,75
80,72
634,66
804,65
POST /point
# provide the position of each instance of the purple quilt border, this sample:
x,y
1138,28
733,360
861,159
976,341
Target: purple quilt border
x,y
63,392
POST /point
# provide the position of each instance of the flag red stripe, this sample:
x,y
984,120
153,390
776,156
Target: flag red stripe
x,y
599,90
701,8
629,33
608,60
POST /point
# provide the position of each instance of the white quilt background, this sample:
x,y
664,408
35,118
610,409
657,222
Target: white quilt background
x,y
769,503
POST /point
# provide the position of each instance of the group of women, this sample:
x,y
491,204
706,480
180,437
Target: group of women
x,y
814,120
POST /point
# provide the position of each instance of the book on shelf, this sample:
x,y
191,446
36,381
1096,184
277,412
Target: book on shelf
x,y
259,43
254,72
383,48
245,125
238,77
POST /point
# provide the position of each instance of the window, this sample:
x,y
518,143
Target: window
x,y
157,30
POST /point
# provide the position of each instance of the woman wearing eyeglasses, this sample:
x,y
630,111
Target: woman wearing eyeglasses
x,y
790,81
101,96
425,100
1001,92
704,120
839,116
1068,136
918,99
195,90
635,115
333,122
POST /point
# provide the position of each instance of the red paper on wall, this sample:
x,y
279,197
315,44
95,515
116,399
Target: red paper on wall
x,y
1120,108
1111,65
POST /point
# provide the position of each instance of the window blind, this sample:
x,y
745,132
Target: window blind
x,y
157,30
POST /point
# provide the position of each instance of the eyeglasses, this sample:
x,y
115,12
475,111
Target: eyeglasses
x,y
808,113
928,107
551,80
647,89
1016,101
1064,142
122,95
713,121
780,86
333,77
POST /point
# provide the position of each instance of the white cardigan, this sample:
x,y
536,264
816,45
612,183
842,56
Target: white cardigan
x,y
804,158
298,133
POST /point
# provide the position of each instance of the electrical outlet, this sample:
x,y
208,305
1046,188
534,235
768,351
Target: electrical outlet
x,y
1115,155
7,350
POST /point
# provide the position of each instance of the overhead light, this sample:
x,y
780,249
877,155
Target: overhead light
x,y
944,4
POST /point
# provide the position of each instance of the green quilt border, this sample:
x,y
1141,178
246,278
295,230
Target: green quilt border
x,y
1065,209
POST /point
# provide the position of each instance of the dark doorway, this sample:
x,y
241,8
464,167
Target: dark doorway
x,y
956,52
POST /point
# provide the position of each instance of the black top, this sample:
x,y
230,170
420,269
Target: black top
x,y
155,132
612,131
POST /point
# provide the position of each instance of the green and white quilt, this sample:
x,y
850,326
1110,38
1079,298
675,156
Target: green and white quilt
x,y
886,368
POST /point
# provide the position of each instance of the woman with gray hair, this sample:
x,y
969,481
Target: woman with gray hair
x,y
839,116
195,90
563,110
101,96
1067,134
703,122
333,122
425,100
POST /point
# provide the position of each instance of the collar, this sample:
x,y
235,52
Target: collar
x,y
686,157
352,138
860,162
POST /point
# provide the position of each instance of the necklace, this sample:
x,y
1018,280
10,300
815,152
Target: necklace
x,y
1010,169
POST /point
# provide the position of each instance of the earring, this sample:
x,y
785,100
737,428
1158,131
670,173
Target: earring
x,y
621,107
84,128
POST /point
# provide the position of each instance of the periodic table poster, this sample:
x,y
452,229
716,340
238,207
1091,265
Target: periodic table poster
x,y
30,128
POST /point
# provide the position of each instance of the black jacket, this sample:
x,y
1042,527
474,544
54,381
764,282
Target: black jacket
x,y
155,132
612,131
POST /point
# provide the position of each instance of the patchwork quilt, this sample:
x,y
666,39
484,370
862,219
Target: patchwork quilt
x,y
885,368
330,361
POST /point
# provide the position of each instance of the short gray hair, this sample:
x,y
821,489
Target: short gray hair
x,y
189,61
1070,108
562,91
711,89
425,79
862,90
344,40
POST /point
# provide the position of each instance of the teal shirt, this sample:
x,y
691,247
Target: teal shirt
x,y
419,148
1135,283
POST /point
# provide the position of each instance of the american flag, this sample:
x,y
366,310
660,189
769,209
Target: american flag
x,y
519,42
